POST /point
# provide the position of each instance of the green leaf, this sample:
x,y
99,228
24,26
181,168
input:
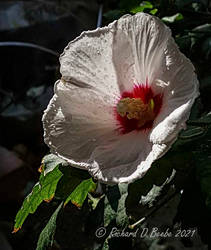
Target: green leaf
x,y
182,3
122,219
204,120
196,110
205,83
111,203
203,172
157,174
72,178
105,245
204,28
46,237
198,131
174,18
127,5
69,181
205,181
192,132
153,12
109,213
148,191
78,196
44,190
184,42
57,179
144,5
114,205
49,162
113,14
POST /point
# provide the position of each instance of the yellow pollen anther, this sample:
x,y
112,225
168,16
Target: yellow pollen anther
x,y
134,108
152,104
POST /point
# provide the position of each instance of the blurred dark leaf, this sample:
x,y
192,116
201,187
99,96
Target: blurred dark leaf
x,y
113,14
203,29
182,3
157,174
192,132
127,5
203,174
206,48
166,176
46,238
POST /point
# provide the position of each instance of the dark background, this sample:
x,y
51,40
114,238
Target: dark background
x,y
27,76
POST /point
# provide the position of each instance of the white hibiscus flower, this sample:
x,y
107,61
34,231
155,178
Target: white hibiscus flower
x,y
125,93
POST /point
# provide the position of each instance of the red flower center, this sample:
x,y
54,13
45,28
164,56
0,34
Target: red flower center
x,y
137,109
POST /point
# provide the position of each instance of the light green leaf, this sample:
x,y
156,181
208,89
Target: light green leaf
x,y
46,237
44,190
144,5
49,162
78,196
174,18
153,12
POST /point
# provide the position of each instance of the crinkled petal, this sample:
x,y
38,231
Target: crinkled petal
x,y
87,61
96,68
143,39
116,160
87,138
135,159
179,95
154,58
75,122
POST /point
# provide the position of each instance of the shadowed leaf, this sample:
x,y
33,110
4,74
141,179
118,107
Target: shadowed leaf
x,y
46,237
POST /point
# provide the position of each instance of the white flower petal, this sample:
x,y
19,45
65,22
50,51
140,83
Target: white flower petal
x,y
96,68
153,56
122,162
118,158
87,61
143,39
178,96
76,121
113,58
